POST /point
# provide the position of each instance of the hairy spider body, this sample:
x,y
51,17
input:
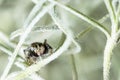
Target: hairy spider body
x,y
37,50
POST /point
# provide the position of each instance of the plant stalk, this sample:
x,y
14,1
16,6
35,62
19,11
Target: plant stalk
x,y
111,43
74,70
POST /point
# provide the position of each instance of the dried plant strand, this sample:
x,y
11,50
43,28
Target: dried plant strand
x,y
84,17
44,62
111,43
22,39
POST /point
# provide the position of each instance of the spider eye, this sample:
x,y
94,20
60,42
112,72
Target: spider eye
x,y
35,46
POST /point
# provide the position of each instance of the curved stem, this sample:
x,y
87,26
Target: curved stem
x,y
43,62
62,27
22,39
84,17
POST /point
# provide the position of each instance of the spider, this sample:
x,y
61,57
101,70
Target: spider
x,y
37,50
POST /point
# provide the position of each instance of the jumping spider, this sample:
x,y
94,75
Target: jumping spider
x,y
37,50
